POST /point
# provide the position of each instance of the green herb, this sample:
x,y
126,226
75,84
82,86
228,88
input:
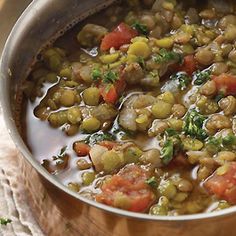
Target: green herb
x,y
171,132
61,157
5,221
201,77
165,56
171,146
167,152
217,144
96,74
174,136
213,145
141,28
125,134
61,154
219,97
121,99
110,77
182,79
229,140
152,182
99,137
193,125
62,151
141,62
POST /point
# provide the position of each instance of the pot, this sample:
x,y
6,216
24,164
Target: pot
x,y
58,210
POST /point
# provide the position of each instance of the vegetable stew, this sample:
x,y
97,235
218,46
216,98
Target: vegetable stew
x,y
135,107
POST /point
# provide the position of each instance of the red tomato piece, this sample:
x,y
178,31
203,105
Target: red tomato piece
x,y
128,190
81,149
225,83
120,85
189,65
118,37
109,93
223,186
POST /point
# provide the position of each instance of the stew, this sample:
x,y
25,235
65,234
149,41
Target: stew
x,y
135,107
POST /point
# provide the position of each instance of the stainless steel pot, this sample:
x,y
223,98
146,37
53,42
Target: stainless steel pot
x,y
58,210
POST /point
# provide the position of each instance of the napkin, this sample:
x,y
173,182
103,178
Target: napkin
x,y
13,200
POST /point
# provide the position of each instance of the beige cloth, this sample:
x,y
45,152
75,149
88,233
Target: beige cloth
x,y
13,200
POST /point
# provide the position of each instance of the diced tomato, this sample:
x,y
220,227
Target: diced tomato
x,y
118,37
128,190
225,83
108,144
189,65
120,85
223,186
109,93
81,149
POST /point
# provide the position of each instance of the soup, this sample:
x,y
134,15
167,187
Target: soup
x,y
135,107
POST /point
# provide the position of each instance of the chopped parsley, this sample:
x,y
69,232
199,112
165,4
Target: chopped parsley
x,y
110,77
61,153
99,137
219,96
167,151
62,157
152,182
165,56
141,28
182,79
59,162
123,134
201,77
217,144
170,132
121,99
229,140
5,221
96,74
193,125
213,145
172,145
141,62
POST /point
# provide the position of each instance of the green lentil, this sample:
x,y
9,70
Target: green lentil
x,y
88,178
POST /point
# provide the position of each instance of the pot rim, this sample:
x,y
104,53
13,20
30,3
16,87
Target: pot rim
x,y
21,146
